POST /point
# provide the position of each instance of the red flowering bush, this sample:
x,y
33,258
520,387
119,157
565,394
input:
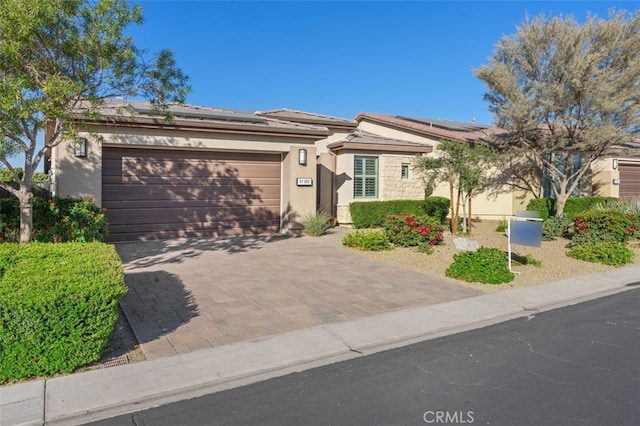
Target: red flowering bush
x,y
604,226
409,230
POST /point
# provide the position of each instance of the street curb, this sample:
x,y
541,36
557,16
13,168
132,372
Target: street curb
x,y
100,394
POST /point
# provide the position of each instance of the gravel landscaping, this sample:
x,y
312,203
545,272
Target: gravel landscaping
x,y
556,265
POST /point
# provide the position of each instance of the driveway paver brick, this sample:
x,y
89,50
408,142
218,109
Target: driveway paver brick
x,y
191,294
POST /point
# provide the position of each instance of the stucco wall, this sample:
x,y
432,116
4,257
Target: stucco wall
x,y
78,176
321,145
297,201
602,178
82,177
389,132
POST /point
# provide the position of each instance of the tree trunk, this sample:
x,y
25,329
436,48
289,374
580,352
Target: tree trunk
x,y
470,215
453,228
454,223
465,229
26,214
560,202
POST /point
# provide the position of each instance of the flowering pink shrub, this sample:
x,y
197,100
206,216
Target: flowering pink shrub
x,y
408,230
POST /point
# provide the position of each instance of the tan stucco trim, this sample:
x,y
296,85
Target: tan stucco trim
x,y
381,148
209,127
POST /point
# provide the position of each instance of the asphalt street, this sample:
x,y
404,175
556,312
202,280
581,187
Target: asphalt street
x,y
578,365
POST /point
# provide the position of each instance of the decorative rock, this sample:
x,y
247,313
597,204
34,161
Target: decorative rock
x,y
465,244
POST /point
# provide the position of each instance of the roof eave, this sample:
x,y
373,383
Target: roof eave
x,y
433,135
355,146
159,123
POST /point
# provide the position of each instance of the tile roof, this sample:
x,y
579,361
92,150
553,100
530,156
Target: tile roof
x,y
132,112
439,129
362,140
308,117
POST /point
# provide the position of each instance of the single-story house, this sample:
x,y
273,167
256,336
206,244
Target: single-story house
x,y
208,172
212,171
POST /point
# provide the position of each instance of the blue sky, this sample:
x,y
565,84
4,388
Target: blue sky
x,y
412,58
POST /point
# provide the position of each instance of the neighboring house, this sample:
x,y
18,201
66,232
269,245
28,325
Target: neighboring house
x,y
618,175
208,172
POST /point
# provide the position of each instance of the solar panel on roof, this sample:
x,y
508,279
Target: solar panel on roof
x,y
446,124
186,112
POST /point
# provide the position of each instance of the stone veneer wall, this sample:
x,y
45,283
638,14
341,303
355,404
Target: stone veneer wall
x,y
392,186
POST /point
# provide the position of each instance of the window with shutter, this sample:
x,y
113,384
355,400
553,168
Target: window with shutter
x,y
365,177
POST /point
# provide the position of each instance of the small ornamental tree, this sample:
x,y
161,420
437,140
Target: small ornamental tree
x,y
59,55
465,168
566,93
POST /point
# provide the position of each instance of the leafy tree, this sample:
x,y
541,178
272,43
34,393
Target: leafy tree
x,y
429,170
465,168
58,57
566,93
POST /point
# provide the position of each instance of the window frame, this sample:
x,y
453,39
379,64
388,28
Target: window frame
x,y
360,191
404,172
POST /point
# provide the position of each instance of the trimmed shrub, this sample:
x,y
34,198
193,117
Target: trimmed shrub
x,y
372,214
604,226
485,265
58,306
367,240
437,207
408,230
56,219
555,227
608,253
547,207
316,224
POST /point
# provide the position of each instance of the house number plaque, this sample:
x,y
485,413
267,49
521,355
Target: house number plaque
x,y
304,181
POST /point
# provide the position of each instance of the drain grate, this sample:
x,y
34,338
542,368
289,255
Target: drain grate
x,y
121,360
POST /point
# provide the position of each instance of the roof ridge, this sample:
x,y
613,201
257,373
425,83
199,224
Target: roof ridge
x,y
315,114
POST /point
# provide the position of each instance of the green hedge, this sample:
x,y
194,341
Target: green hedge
x,y
58,306
372,214
547,207
55,219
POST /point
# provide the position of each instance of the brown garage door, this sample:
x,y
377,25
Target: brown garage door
x,y
629,180
155,194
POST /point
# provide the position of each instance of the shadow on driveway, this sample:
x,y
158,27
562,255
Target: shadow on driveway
x,y
151,253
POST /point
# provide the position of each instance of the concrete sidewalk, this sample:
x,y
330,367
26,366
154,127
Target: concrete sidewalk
x,y
99,394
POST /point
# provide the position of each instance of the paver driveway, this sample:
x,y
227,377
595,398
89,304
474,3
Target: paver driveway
x,y
191,294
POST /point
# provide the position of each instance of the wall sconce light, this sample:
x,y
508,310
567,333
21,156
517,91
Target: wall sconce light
x,y
614,164
302,157
80,147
